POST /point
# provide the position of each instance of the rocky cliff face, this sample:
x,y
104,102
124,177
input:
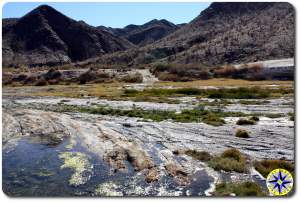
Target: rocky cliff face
x,y
46,37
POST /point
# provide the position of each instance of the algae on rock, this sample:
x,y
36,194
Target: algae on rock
x,y
79,163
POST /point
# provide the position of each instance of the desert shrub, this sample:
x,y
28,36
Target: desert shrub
x,y
274,116
239,189
254,118
226,71
213,119
7,78
52,74
243,121
165,76
19,78
180,72
31,79
292,116
242,133
53,81
232,153
41,82
239,93
246,71
87,77
133,78
264,167
199,155
204,74
230,160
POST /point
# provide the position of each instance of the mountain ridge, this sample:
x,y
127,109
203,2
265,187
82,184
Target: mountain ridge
x,y
45,36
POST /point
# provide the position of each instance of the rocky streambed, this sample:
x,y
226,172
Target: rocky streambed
x,y
51,153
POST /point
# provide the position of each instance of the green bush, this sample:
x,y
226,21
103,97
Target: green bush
x,y
230,160
239,189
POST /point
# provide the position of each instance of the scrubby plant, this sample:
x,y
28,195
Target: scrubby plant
x,y
242,133
133,78
41,82
243,121
254,118
239,189
292,116
264,167
230,160
199,155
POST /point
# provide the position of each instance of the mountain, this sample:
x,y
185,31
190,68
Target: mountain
x,y
147,33
44,36
224,33
234,33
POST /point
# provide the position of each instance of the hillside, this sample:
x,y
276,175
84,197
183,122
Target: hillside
x,y
46,37
145,34
236,32
223,33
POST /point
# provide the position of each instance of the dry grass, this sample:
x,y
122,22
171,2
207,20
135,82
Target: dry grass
x,y
106,90
264,167
219,82
239,189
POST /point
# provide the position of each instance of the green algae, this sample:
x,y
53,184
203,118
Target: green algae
x,y
107,189
79,163
44,173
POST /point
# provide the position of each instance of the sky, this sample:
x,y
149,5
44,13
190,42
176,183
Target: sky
x,y
116,15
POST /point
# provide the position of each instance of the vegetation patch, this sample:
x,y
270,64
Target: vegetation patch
x,y
253,102
242,133
199,155
292,116
243,121
254,118
264,167
79,163
230,160
239,189
223,93
273,115
193,115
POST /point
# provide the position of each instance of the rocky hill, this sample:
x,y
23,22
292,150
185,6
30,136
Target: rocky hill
x,y
224,33
46,37
236,32
144,34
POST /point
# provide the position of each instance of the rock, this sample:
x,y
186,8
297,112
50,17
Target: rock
x,y
116,159
152,175
176,171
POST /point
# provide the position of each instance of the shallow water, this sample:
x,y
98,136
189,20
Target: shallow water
x,y
33,168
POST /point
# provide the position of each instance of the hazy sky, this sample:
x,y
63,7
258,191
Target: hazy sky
x,y
114,14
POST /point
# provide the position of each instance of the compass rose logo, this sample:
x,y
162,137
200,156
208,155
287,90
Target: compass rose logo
x,y
279,182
